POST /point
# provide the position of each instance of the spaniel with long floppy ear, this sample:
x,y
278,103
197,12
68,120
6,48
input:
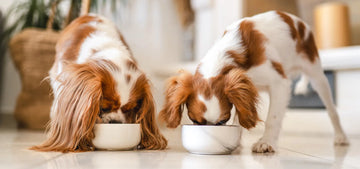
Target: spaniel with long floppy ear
x,y
95,79
260,52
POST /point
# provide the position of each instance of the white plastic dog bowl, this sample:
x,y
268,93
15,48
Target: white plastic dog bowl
x,y
116,136
210,139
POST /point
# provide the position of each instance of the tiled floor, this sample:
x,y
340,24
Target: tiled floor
x,y
298,149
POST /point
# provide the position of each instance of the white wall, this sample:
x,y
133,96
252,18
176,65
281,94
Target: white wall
x,y
155,36
211,19
11,84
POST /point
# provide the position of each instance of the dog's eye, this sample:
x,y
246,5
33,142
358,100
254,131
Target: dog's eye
x,y
105,110
132,107
203,122
196,122
138,105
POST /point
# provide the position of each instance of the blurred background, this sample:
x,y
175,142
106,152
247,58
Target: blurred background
x,y
165,36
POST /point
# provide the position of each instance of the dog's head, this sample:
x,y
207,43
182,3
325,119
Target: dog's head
x,y
92,93
209,101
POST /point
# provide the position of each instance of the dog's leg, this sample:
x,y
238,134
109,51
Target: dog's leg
x,y
319,82
279,97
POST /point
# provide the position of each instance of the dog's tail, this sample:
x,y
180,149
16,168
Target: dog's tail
x,y
301,87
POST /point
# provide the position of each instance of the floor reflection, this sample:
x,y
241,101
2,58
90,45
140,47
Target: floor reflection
x,y
69,160
340,153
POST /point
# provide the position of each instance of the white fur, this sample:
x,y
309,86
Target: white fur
x,y
214,60
279,47
212,107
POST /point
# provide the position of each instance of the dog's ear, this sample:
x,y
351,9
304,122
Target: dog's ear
x,y
177,92
151,138
75,109
243,95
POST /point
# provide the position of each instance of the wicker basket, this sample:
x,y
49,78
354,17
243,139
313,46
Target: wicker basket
x,y
33,52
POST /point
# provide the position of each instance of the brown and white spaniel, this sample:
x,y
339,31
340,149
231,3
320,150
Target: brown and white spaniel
x,y
263,52
95,79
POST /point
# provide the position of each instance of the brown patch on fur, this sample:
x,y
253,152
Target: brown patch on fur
x,y
301,30
78,107
93,51
253,41
131,65
196,109
128,78
123,40
278,67
242,93
73,46
141,105
74,35
226,69
201,85
288,20
224,33
307,46
310,49
238,57
110,101
218,86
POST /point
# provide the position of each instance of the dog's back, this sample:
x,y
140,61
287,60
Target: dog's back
x,y
86,36
276,37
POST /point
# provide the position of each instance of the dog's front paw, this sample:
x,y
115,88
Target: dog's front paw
x,y
263,147
341,140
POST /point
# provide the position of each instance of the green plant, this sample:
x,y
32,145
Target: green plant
x,y
31,13
94,7
26,14
36,13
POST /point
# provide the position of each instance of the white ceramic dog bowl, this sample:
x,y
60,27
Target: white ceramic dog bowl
x,y
210,139
116,136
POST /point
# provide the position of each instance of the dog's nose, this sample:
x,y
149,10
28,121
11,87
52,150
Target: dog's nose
x,y
209,123
115,121
222,122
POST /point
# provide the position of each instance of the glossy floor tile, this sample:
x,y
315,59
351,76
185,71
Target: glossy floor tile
x,y
297,150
